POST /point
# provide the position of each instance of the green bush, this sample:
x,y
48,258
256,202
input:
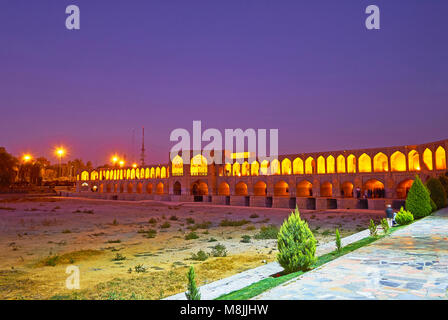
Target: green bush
x,y
338,241
385,226
219,251
403,217
193,291
267,232
373,229
200,256
296,244
444,181
433,206
191,236
418,201
437,192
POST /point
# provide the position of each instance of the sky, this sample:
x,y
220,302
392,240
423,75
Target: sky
x,y
308,68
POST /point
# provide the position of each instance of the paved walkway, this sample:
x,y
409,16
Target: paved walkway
x,y
412,263
238,281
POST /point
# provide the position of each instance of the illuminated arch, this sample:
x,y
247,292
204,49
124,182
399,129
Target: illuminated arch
x,y
228,169
365,163
264,167
260,188
281,189
340,161
398,162
137,173
427,159
121,187
310,165
139,187
304,189
147,173
94,175
347,189
107,175
380,163
351,164
199,188
275,167
163,173
142,173
245,169
121,174
198,166
133,174
241,189
321,165
297,166
159,188
326,189
130,188
177,167
157,172
403,188
286,166
152,173
177,188
330,164
254,168
84,176
440,158
413,161
149,188
236,169
373,185
224,189
109,188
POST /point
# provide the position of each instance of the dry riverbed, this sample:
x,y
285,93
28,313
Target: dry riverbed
x,y
110,241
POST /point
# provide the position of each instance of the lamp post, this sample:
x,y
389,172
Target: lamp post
x,y
60,153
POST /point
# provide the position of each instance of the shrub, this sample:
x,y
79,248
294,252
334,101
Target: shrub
x,y
150,233
254,216
373,229
192,292
119,257
233,223
338,241
444,182
190,220
437,192
165,225
433,206
403,217
152,221
245,239
418,200
200,256
202,225
385,225
173,218
140,268
267,232
219,251
192,235
296,244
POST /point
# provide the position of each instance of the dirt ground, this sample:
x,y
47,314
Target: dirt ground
x,y
107,240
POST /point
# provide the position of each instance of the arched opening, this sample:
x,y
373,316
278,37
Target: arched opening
x,y
137,173
403,188
320,165
130,188
264,167
380,163
440,159
128,174
133,174
414,161
198,166
275,167
398,162
157,173
149,188
281,189
310,165
177,167
351,164
326,189
121,187
107,175
236,169
163,173
330,164
347,190
340,161
177,188
254,168
101,189
109,188
94,175
199,188
373,189
84,176
147,173
121,174
152,173
241,189
245,169
159,188
427,159
286,166
115,187
224,189
297,166
304,189
139,187
260,188
365,163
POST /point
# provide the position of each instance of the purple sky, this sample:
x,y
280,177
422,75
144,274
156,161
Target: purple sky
x,y
308,68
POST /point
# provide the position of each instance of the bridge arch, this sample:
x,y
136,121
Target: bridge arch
x,y
260,188
224,189
304,189
241,189
281,189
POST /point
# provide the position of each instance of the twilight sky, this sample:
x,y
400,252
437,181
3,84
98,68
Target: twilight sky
x,y
309,68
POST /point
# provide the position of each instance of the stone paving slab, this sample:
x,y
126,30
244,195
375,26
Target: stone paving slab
x,y
411,263
241,280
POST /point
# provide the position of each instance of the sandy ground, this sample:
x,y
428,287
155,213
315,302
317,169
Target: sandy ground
x,y
41,236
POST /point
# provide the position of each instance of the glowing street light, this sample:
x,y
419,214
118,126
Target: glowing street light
x,y
60,152
134,165
27,158
121,163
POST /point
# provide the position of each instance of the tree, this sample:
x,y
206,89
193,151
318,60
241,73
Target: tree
x,y
444,182
418,201
437,192
192,292
8,166
338,241
296,244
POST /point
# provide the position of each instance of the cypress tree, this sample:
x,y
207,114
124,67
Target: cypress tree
x,y
418,201
193,291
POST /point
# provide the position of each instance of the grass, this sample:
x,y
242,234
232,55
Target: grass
x,y
233,223
191,236
68,258
267,232
271,282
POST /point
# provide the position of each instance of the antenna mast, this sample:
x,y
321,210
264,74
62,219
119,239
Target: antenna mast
x,y
142,154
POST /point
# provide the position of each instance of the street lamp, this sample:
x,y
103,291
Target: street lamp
x,y
27,158
60,152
